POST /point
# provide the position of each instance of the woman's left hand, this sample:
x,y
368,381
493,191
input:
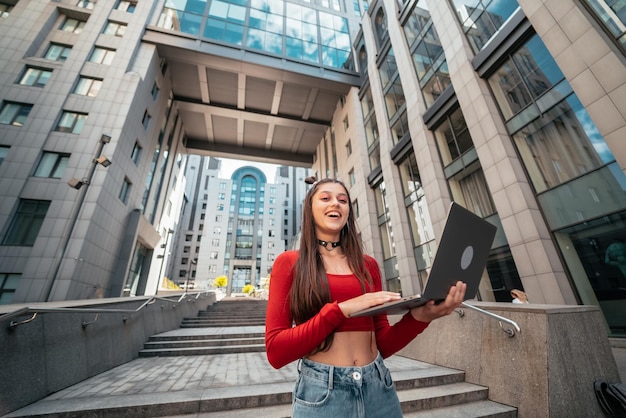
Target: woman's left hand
x,y
432,310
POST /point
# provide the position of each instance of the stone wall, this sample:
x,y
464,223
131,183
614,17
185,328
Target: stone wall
x,y
55,350
546,370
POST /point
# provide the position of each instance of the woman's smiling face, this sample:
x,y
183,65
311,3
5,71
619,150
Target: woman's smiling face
x,y
330,206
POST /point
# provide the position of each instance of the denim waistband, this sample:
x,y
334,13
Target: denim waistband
x,y
352,375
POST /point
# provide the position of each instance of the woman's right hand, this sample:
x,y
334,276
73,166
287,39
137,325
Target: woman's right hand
x,y
367,300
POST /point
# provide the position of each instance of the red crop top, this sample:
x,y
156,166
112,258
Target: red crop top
x,y
285,343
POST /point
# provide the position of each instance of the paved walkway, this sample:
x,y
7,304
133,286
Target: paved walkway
x,y
160,380
163,380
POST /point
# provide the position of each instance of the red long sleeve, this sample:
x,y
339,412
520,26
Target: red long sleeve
x,y
285,343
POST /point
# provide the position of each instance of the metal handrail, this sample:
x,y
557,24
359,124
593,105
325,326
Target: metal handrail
x,y
40,309
511,331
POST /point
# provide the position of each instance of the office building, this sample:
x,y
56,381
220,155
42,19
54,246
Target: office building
x,y
514,109
235,226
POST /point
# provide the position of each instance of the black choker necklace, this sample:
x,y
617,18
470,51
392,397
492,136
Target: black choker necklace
x,y
333,245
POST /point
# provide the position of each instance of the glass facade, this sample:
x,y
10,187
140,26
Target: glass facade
x,y
469,188
393,93
244,246
422,233
429,60
580,189
277,27
481,19
386,237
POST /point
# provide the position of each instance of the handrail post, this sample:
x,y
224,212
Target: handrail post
x,y
514,327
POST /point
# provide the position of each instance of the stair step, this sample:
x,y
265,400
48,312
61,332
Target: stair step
x,y
467,410
201,351
224,319
220,325
159,337
220,342
480,409
430,397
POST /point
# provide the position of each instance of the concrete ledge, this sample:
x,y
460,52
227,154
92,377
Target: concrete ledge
x,y
547,370
55,350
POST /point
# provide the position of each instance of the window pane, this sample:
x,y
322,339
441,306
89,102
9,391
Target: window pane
x,y
46,165
14,113
561,145
4,150
26,222
537,66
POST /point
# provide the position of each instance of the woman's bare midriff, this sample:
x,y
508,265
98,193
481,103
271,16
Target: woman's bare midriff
x,y
350,348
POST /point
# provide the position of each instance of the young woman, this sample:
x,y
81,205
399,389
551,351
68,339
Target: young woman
x,y
312,293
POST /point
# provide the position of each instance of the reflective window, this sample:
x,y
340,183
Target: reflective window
x,y
182,15
334,39
394,96
481,19
416,204
469,188
102,56
4,150
612,14
52,165
301,41
86,4
125,190
26,222
136,154
600,260
57,52
386,236
429,60
37,77
453,137
272,26
561,145
400,127
88,86
371,129
127,6
15,114
226,21
553,132
71,122
72,25
115,29
380,26
527,74
8,281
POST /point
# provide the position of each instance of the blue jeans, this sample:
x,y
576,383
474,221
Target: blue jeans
x,y
327,391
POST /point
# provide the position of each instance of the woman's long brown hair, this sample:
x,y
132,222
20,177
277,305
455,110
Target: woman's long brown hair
x,y
310,290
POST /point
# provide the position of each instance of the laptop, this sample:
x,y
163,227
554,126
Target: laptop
x,y
461,255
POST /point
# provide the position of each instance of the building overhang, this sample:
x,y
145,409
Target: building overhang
x,y
239,104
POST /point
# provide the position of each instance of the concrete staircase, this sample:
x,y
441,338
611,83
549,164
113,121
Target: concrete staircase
x,y
221,371
231,312
226,327
424,390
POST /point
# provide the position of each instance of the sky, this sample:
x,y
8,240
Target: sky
x,y
229,166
